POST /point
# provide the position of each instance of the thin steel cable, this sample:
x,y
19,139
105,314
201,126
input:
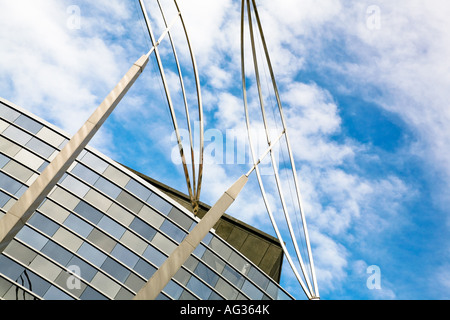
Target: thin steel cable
x,y
305,229
274,224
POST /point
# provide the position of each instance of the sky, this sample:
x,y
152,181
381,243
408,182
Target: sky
x,y
364,87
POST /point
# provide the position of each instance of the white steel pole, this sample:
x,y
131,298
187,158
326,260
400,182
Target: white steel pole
x,y
18,215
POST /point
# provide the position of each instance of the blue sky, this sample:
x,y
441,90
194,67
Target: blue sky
x,y
364,87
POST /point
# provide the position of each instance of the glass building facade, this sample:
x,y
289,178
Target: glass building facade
x,y
103,231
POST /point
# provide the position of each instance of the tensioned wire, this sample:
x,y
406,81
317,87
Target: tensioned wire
x,y
294,203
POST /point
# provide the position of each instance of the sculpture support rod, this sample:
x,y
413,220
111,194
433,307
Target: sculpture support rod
x,y
13,221
173,263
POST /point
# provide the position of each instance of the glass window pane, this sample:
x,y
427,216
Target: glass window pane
x,y
55,294
213,261
3,160
77,225
220,248
206,274
197,287
32,238
233,276
87,272
64,198
33,282
8,113
138,190
98,200
143,229
101,240
226,290
28,124
116,176
29,159
174,290
154,256
125,256
159,204
180,218
9,184
87,211
163,243
120,214
95,162
9,148
10,268
107,187
18,136
187,296
50,136
57,253
91,294
115,269
76,186
258,277
111,227
173,231
40,147
130,202
239,263
144,269
91,254
4,198
43,224
85,174
18,171
250,290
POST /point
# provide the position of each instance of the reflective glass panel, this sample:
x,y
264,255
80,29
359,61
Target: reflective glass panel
x,y
85,173
107,187
197,287
111,227
115,269
143,229
8,113
124,255
173,231
95,162
44,224
18,136
155,256
28,124
79,226
138,190
87,211
40,147
93,255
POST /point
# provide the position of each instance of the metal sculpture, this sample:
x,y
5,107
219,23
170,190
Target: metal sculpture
x,y
193,182
310,288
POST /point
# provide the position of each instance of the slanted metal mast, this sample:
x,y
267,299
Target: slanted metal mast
x,y
193,183
311,289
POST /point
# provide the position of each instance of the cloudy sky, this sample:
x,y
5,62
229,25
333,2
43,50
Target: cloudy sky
x,y
364,87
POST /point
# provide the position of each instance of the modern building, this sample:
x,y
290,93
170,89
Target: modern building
x,y
104,230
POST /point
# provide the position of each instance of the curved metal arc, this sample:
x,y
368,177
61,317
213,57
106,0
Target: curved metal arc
x,y
274,163
256,168
169,99
305,228
188,120
200,105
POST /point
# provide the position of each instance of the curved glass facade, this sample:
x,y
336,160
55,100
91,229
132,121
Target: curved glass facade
x,y
102,232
